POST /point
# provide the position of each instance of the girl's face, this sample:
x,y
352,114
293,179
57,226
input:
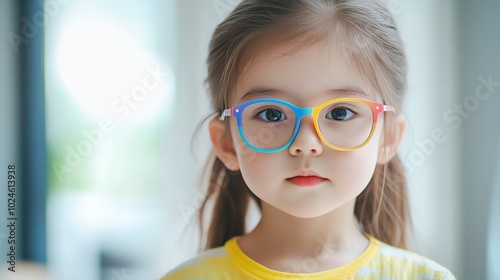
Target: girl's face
x,y
305,78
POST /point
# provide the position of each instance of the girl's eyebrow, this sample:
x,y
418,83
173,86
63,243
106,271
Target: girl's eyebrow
x,y
347,91
272,92
262,92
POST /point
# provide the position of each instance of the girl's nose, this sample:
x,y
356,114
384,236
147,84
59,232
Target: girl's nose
x,y
307,141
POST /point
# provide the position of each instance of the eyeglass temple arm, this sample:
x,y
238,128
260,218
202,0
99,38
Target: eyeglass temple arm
x,y
225,113
389,108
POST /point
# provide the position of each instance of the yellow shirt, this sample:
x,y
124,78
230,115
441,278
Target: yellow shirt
x,y
378,261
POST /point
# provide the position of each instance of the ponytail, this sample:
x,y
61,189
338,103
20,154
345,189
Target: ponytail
x,y
382,208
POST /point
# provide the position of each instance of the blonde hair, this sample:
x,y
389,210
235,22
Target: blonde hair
x,y
365,31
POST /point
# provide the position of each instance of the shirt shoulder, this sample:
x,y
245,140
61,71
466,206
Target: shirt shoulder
x,y
212,264
396,263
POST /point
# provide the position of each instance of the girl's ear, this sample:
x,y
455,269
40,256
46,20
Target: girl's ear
x,y
222,142
391,140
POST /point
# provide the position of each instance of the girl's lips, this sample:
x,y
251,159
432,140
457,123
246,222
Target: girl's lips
x,y
306,181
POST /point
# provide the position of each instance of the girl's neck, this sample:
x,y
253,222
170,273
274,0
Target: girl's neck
x,y
282,242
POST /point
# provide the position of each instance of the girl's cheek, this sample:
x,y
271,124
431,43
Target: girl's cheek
x,y
354,165
244,153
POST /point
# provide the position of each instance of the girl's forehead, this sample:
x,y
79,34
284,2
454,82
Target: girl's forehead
x,y
302,72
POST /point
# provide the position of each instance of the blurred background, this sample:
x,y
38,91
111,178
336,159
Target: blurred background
x,y
99,101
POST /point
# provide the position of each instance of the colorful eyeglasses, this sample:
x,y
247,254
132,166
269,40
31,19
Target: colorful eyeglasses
x,y
271,125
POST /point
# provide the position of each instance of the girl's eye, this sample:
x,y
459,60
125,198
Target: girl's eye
x,y
340,114
272,115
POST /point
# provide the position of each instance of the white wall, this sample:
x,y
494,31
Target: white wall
x,y
196,20
493,239
479,45
429,150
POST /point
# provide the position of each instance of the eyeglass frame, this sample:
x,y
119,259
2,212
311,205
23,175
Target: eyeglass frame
x,y
237,111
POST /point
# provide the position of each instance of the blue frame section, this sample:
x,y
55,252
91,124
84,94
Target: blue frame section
x,y
238,110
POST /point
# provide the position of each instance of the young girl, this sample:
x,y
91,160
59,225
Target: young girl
x,y
308,97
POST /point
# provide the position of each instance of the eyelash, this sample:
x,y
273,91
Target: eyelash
x,y
352,110
261,110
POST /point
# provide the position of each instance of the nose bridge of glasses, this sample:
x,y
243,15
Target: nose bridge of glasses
x,y
300,114
302,137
